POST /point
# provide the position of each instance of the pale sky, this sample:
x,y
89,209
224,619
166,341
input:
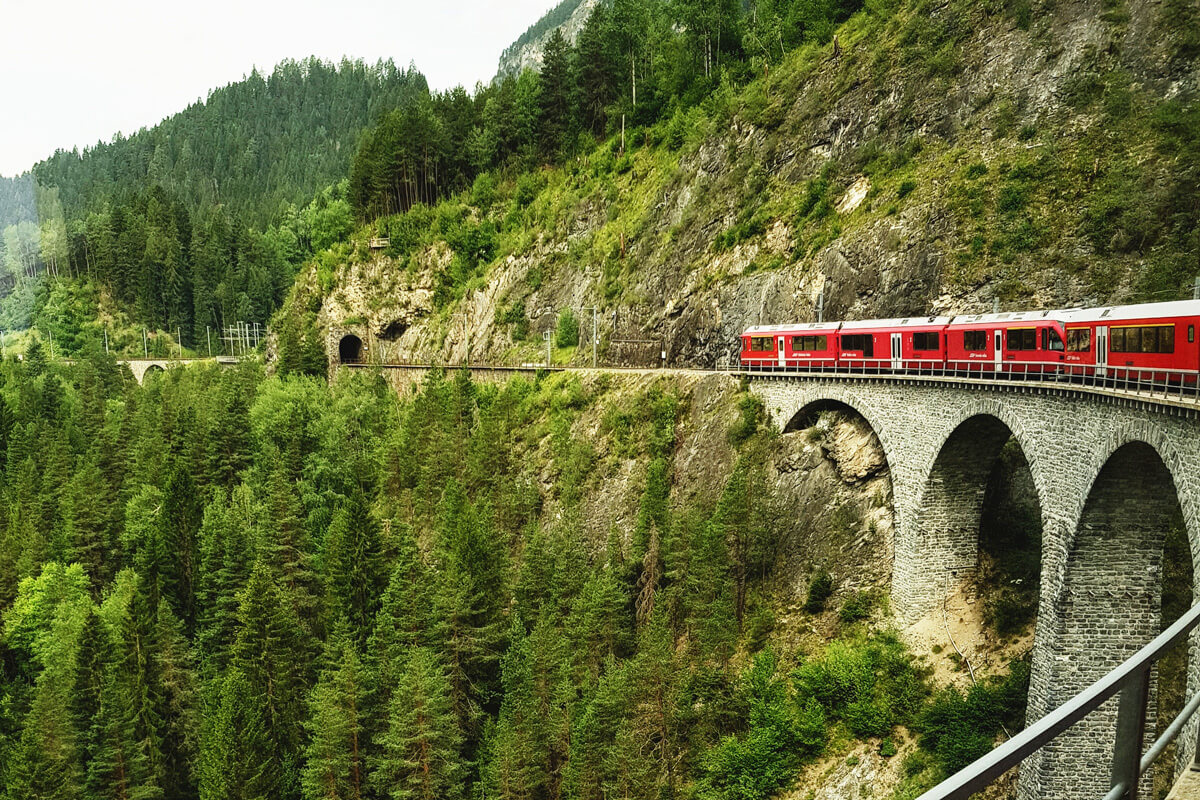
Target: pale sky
x,y
73,72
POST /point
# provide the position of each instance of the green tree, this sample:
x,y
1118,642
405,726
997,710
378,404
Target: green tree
x,y
555,98
354,576
335,757
420,753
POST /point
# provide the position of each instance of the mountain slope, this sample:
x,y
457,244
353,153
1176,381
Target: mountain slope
x,y
255,145
937,156
525,53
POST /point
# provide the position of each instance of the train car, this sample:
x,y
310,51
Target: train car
x,y
1020,343
811,346
1154,342
912,343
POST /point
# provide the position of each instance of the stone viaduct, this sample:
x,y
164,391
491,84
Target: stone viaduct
x,y
1111,475
141,367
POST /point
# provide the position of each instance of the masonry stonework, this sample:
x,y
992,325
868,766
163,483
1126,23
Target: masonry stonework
x,y
1110,475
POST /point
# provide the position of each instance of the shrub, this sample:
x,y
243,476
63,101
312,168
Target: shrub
x,y
483,191
528,186
976,170
780,735
957,729
871,685
750,413
819,590
906,189
567,333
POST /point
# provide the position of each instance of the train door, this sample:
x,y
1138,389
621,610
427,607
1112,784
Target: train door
x,y
897,352
782,353
998,350
1101,350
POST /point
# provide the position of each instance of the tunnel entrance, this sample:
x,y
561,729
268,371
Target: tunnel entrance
x,y
350,349
394,330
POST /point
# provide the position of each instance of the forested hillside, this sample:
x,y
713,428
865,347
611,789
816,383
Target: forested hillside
x,y
198,222
228,586
691,171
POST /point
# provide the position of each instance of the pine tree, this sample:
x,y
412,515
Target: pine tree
x,y
182,513
555,98
404,620
467,605
285,546
271,653
335,758
238,759
177,713
86,523
354,576
120,767
420,754
225,543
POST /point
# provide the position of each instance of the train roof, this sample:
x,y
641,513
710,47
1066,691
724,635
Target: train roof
x,y
1051,315
823,327
899,322
1176,308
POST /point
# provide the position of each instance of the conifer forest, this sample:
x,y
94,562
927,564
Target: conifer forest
x,y
278,571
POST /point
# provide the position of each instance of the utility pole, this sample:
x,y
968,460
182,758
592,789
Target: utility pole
x,y
996,305
594,311
1196,289
179,341
106,338
821,305
548,336
208,338
145,344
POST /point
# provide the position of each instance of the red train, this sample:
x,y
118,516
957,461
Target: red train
x,y
1153,342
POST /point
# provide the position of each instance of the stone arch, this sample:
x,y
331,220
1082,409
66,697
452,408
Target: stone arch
x,y
940,547
834,398
1111,604
859,455
151,369
350,349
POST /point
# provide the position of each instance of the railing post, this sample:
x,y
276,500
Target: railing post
x,y
1131,728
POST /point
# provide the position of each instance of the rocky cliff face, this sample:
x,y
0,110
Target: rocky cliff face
x,y
938,161
523,55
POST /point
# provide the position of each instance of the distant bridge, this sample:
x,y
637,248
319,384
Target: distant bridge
x,y
1113,465
140,367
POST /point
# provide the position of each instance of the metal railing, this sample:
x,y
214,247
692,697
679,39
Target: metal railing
x,y
1143,383
1132,680
1157,385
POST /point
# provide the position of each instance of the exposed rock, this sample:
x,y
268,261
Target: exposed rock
x,y
851,445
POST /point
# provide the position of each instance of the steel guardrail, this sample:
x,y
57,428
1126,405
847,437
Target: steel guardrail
x,y
1175,388
1132,680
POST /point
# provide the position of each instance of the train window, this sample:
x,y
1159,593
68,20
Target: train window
x,y
1191,334
927,340
1079,340
975,340
1056,342
862,342
1022,338
1166,339
1142,339
810,343
762,344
